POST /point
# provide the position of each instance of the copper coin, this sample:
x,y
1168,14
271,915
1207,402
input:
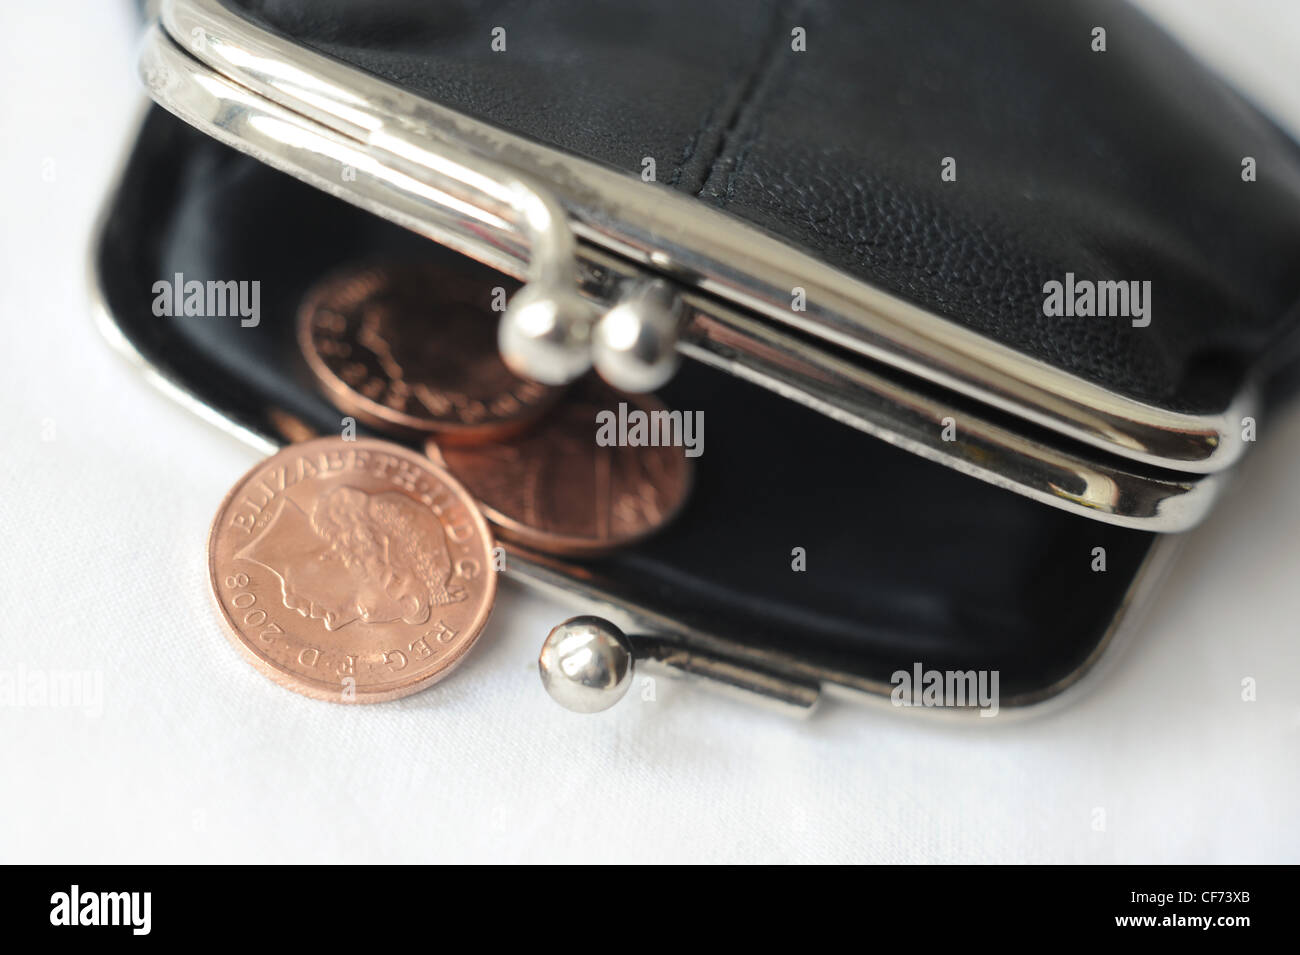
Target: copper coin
x,y
556,490
413,349
352,571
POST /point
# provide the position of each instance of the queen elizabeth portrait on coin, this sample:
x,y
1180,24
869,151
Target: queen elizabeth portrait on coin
x,y
356,557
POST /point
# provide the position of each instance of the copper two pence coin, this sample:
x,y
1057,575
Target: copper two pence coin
x,y
557,490
352,571
412,349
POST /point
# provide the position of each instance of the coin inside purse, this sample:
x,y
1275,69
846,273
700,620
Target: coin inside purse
x,y
808,551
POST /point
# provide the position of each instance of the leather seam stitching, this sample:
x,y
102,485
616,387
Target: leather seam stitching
x,y
750,89
692,145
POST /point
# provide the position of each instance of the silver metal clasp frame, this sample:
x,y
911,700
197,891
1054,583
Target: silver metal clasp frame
x,y
587,664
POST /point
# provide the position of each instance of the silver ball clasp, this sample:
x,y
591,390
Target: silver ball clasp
x,y
545,334
586,664
634,344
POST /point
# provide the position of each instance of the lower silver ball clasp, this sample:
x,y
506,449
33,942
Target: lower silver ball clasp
x,y
586,664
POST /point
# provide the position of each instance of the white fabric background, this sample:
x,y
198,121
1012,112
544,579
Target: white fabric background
x,y
196,757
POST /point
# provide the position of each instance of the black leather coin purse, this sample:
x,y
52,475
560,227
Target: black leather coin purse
x,y
980,301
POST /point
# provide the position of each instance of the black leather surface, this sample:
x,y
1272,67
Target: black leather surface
x,y
1122,165
907,561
